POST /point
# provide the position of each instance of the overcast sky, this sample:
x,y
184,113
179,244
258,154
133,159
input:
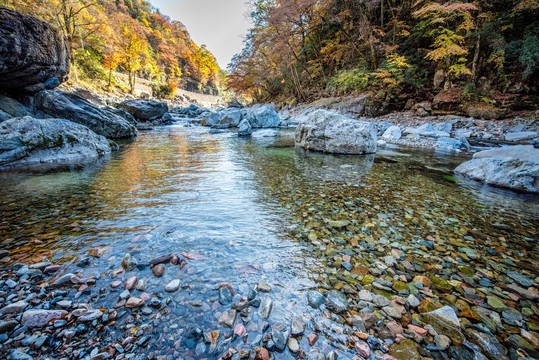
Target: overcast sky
x,y
220,24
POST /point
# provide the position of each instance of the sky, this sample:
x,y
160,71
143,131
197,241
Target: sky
x,y
220,24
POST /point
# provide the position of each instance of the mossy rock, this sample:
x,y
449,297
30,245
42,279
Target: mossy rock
x,y
368,279
441,284
466,270
405,350
400,285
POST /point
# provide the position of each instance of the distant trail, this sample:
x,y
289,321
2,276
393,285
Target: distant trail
x,y
204,100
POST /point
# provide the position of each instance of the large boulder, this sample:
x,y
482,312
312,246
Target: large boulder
x,y
145,109
33,55
102,121
28,142
263,116
230,117
511,167
331,132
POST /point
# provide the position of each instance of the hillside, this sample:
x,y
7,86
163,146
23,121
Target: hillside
x,y
130,36
484,53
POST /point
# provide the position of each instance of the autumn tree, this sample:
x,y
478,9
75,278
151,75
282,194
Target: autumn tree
x,y
448,25
134,52
111,62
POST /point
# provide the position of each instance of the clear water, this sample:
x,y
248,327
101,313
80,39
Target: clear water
x,y
244,208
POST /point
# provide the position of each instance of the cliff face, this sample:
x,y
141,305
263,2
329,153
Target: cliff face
x,y
33,55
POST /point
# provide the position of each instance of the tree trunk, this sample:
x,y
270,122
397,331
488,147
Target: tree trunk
x,y
476,58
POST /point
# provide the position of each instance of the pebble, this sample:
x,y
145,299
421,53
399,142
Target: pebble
x,y
40,318
266,306
293,345
315,299
442,342
141,285
130,283
263,287
363,349
129,262
336,301
158,270
14,308
172,286
297,326
133,302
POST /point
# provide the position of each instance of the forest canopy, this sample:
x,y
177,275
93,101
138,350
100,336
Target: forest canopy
x,y
130,36
304,49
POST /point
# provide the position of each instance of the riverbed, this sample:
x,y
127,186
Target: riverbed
x,y
259,211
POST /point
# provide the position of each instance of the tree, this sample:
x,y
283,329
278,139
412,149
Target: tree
x,y
134,49
111,62
448,25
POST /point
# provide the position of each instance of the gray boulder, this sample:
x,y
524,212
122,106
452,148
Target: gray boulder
x,y
145,109
244,128
521,136
448,143
102,121
393,133
210,118
33,55
28,142
231,117
511,167
263,116
331,132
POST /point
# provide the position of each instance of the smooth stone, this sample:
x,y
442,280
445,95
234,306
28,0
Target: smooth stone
x,y
225,295
263,287
40,318
312,339
14,308
511,316
404,350
133,302
158,270
297,326
363,349
66,280
131,282
19,355
228,318
442,342
488,344
173,286
315,299
445,321
129,262
336,301
90,316
519,278
266,306
141,285
293,345
280,339
391,311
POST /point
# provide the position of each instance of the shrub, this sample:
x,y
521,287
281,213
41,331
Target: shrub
x,y
165,90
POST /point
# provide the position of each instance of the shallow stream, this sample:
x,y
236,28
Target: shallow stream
x,y
248,210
